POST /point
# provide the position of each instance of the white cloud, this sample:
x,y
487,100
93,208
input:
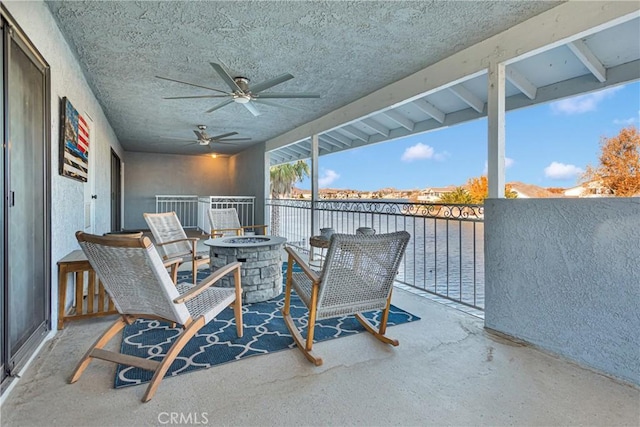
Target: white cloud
x,y
557,170
417,152
625,122
327,178
508,162
584,103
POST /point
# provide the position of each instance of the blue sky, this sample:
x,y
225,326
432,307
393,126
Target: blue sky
x,y
547,145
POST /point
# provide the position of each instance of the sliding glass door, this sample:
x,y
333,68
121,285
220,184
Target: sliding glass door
x,y
25,255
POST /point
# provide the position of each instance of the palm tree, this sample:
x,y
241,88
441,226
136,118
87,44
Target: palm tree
x,y
282,179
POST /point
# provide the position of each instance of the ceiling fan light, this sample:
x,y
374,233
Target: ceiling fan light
x,y
241,99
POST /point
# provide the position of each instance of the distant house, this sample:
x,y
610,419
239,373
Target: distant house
x,y
530,191
589,189
433,194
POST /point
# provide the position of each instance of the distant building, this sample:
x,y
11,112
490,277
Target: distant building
x,y
589,189
433,194
530,191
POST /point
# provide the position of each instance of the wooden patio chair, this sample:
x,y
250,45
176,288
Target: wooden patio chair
x,y
225,222
139,285
357,276
172,241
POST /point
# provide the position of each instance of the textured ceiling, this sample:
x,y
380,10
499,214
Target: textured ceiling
x,y
341,50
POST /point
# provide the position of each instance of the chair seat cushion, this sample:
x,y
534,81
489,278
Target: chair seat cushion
x,y
352,297
210,302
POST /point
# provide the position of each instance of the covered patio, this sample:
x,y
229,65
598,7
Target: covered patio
x,y
558,344
447,371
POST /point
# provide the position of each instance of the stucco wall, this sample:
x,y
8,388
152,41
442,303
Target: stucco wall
x,y
247,171
147,175
67,79
564,275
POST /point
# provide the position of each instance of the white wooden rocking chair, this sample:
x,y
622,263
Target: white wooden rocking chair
x,y
137,281
357,276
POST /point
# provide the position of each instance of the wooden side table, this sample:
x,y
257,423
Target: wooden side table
x,y
317,242
98,302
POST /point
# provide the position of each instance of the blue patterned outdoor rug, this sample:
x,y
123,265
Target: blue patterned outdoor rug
x,y
217,342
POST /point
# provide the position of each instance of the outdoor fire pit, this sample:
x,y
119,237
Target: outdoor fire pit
x,y
261,260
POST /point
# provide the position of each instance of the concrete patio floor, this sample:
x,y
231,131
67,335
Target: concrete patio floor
x,y
447,371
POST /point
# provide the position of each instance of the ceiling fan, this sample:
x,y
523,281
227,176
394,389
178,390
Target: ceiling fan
x,y
242,93
204,139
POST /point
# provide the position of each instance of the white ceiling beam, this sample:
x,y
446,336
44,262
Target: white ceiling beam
x,y
285,158
324,139
376,126
399,119
340,138
297,150
586,56
468,97
522,83
276,157
430,110
332,141
354,132
324,146
564,23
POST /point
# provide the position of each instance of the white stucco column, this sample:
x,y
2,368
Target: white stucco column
x,y
267,187
495,121
314,184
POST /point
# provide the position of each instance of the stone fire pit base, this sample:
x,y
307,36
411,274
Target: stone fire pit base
x,y
261,258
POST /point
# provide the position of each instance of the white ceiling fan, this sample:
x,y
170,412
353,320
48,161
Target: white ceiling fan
x,y
242,93
204,139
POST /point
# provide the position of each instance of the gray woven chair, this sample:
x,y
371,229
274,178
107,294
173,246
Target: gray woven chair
x,y
172,241
139,285
357,276
225,222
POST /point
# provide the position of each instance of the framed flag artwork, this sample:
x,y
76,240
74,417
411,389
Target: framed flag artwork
x,y
74,143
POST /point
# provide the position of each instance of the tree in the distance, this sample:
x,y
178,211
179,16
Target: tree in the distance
x,y
282,178
478,189
459,195
619,168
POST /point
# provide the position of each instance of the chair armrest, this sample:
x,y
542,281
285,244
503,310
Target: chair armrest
x,y
305,268
207,282
174,263
264,227
219,230
188,239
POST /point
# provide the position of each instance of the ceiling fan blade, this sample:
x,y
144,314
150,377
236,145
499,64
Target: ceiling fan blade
x,y
197,96
191,84
198,135
270,83
225,76
224,135
222,104
287,95
218,141
252,108
275,104
221,143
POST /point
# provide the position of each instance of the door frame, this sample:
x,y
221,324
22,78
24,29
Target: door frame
x,y
12,31
116,192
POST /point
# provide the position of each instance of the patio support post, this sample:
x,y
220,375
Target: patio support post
x,y
314,184
495,121
267,189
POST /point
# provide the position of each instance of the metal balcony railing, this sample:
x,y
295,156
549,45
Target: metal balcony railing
x,y
445,256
